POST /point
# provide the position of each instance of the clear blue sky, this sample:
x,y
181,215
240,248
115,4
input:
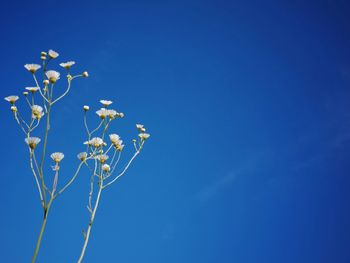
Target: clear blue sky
x,y
248,104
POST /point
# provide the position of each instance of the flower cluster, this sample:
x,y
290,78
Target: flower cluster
x,y
45,92
105,112
116,141
143,135
101,156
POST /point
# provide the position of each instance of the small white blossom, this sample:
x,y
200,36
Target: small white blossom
x,y
43,53
115,138
37,112
120,146
32,67
95,142
144,136
53,54
140,127
25,93
57,156
14,109
106,168
116,141
67,65
106,102
32,89
12,99
112,114
32,142
86,108
46,82
102,113
85,74
52,75
102,158
82,156
121,115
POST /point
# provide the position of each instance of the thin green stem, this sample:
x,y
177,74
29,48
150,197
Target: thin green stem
x,y
64,94
126,167
36,178
44,148
87,236
42,95
70,181
42,229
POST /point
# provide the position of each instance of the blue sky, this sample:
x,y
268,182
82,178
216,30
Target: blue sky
x,y
248,106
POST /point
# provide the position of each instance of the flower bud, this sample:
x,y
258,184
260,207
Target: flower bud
x,y
85,74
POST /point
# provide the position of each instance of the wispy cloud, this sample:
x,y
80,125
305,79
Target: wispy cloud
x,y
250,165
280,165
210,191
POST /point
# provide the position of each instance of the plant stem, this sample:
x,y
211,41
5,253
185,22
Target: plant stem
x,y
91,222
41,174
37,247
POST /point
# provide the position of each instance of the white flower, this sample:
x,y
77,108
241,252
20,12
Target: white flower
x,y
140,127
106,168
52,75
86,108
82,156
57,156
32,89
53,54
68,64
85,74
120,146
32,142
102,113
121,115
95,142
12,99
112,114
115,138
37,112
106,102
144,136
32,67
116,141
102,158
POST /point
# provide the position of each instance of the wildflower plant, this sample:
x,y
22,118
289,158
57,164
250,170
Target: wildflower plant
x,y
102,150
102,157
